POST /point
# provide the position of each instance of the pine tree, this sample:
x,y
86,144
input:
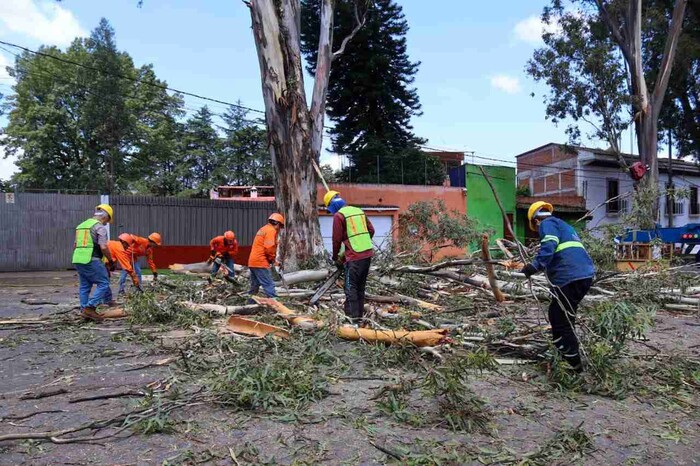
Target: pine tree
x,y
371,98
246,158
201,155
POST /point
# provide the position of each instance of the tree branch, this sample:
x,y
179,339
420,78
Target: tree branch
x,y
669,55
619,37
359,22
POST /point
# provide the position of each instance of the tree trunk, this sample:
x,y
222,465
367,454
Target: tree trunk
x,y
276,26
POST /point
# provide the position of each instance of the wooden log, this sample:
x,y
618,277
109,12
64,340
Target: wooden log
x,y
201,267
417,338
221,309
486,256
303,276
113,313
301,321
254,328
401,299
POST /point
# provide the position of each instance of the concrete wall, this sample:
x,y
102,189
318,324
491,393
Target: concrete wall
x,y
548,171
481,205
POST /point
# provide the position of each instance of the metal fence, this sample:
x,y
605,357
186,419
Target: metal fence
x,y
185,222
37,229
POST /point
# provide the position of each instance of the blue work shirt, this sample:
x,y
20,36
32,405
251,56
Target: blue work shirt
x,y
562,255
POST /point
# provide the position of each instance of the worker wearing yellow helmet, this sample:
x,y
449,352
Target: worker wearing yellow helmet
x,y
352,249
570,271
88,250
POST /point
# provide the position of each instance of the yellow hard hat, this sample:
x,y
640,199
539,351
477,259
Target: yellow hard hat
x,y
107,208
536,207
329,197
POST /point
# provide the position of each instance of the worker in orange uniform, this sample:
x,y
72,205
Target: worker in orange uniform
x,y
263,254
223,248
118,251
352,249
141,247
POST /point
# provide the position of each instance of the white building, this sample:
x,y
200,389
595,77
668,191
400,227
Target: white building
x,y
556,170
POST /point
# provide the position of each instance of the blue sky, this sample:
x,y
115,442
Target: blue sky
x,y
471,82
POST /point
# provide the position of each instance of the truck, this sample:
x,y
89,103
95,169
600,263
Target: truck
x,y
639,247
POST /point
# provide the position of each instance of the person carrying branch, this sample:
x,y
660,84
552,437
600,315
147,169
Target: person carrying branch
x,y
352,249
570,270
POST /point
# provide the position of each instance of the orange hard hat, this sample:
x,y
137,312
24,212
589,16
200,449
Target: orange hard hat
x,y
127,238
155,237
279,218
229,236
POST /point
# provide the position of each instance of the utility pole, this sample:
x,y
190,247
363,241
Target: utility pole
x,y
377,167
671,191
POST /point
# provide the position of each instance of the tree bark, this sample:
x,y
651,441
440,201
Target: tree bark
x,y
290,127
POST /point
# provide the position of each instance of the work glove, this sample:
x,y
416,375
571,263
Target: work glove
x,y
210,260
155,276
529,270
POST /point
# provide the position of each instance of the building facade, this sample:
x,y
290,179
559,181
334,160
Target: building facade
x,y
595,177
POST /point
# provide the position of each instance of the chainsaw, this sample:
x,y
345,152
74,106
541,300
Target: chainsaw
x,y
326,285
231,273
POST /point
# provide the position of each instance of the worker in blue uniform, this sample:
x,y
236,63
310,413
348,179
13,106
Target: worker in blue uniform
x,y
570,270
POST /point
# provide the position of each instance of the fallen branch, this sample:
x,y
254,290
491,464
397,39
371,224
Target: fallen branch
x,y
293,318
106,396
486,256
37,301
45,394
221,309
401,299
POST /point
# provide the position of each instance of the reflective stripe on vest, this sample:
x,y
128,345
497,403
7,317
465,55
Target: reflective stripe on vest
x,y
550,238
568,244
358,233
84,245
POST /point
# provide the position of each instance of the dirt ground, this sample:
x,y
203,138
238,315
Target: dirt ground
x,y
78,359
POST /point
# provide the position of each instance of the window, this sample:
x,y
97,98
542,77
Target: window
x,y
694,206
673,205
613,206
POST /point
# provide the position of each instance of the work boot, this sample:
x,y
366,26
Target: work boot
x,y
89,313
210,280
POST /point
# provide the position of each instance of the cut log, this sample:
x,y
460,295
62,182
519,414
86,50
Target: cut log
x,y
221,309
401,299
486,256
303,276
201,267
417,338
254,328
37,301
301,321
113,313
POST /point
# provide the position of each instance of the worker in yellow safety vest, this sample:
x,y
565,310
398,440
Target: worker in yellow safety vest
x,y
352,249
88,250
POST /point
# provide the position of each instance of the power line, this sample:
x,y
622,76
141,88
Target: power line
x,y
129,78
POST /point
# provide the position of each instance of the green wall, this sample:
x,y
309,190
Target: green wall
x,y
481,205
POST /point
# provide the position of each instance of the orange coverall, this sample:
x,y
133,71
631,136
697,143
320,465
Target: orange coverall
x,y
142,247
120,255
264,250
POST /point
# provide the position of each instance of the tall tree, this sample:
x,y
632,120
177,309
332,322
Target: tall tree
x,y
371,97
246,159
622,21
86,118
201,155
295,130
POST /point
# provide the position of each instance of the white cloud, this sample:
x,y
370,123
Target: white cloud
x,y
505,83
42,20
7,165
531,28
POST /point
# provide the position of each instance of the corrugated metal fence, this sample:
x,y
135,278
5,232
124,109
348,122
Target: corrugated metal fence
x,y
37,229
189,221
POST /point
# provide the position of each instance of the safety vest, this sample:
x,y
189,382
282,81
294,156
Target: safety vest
x,y
356,224
84,245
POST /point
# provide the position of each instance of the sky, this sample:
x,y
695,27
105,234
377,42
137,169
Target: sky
x,y
474,92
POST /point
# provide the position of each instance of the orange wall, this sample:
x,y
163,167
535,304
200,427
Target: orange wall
x,y
397,195
401,196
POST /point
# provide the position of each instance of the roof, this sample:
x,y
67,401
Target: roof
x,y
607,157
374,207
447,156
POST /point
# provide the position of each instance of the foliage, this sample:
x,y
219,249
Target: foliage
x,y
288,373
601,248
87,118
615,321
460,407
149,308
523,190
370,97
644,200
429,224
582,68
